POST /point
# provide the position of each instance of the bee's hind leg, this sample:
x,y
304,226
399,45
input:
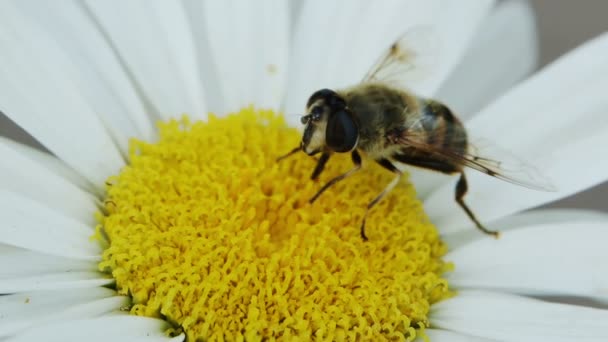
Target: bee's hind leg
x,y
387,165
461,190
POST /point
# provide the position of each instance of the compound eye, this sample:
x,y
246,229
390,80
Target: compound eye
x,y
317,111
342,132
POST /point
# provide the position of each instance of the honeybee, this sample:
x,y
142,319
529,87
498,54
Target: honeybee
x,y
395,127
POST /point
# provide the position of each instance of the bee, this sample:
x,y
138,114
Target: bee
x,y
395,127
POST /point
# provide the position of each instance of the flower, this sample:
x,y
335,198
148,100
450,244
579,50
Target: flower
x,y
83,78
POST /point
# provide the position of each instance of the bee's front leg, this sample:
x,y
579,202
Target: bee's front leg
x,y
320,165
356,160
290,153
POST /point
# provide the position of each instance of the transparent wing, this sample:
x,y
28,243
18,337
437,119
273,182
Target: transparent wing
x,y
408,60
484,156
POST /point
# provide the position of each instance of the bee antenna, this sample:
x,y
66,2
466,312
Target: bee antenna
x,y
305,118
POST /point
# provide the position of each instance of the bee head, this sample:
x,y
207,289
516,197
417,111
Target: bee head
x,y
329,124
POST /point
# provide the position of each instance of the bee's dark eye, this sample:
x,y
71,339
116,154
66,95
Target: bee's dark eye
x,y
316,113
342,132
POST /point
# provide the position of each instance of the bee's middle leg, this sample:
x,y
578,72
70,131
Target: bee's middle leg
x,y
387,165
461,190
356,160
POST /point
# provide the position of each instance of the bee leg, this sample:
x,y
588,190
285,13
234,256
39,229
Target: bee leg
x,y
387,165
320,165
461,190
356,160
290,153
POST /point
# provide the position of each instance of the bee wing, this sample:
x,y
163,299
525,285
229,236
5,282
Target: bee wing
x,y
408,60
488,158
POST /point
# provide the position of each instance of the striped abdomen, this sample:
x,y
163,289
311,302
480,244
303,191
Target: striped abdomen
x,y
441,130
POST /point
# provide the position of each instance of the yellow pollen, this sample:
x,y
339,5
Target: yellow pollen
x,y
206,230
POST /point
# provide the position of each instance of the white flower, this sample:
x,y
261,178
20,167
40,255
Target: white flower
x,y
83,77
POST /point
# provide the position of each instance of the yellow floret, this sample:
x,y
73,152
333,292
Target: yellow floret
x,y
207,230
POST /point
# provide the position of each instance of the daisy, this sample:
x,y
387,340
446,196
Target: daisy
x,y
133,231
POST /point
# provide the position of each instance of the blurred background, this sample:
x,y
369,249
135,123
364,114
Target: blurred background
x,y
562,25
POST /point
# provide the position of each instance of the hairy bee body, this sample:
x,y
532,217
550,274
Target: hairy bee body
x,y
390,126
385,113
393,127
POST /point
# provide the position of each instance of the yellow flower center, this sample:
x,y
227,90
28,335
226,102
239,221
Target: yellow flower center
x,y
205,229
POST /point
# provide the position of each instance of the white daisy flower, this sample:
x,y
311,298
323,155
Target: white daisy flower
x,y
201,232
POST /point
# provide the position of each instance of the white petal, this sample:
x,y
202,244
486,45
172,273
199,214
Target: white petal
x,y
111,328
456,23
36,94
22,175
437,335
426,181
19,311
29,225
507,317
54,281
569,85
295,9
154,41
209,75
503,52
456,240
557,120
543,259
249,44
19,262
326,55
51,163
90,62
25,270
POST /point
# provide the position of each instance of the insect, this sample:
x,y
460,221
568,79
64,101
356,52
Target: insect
x,y
393,127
